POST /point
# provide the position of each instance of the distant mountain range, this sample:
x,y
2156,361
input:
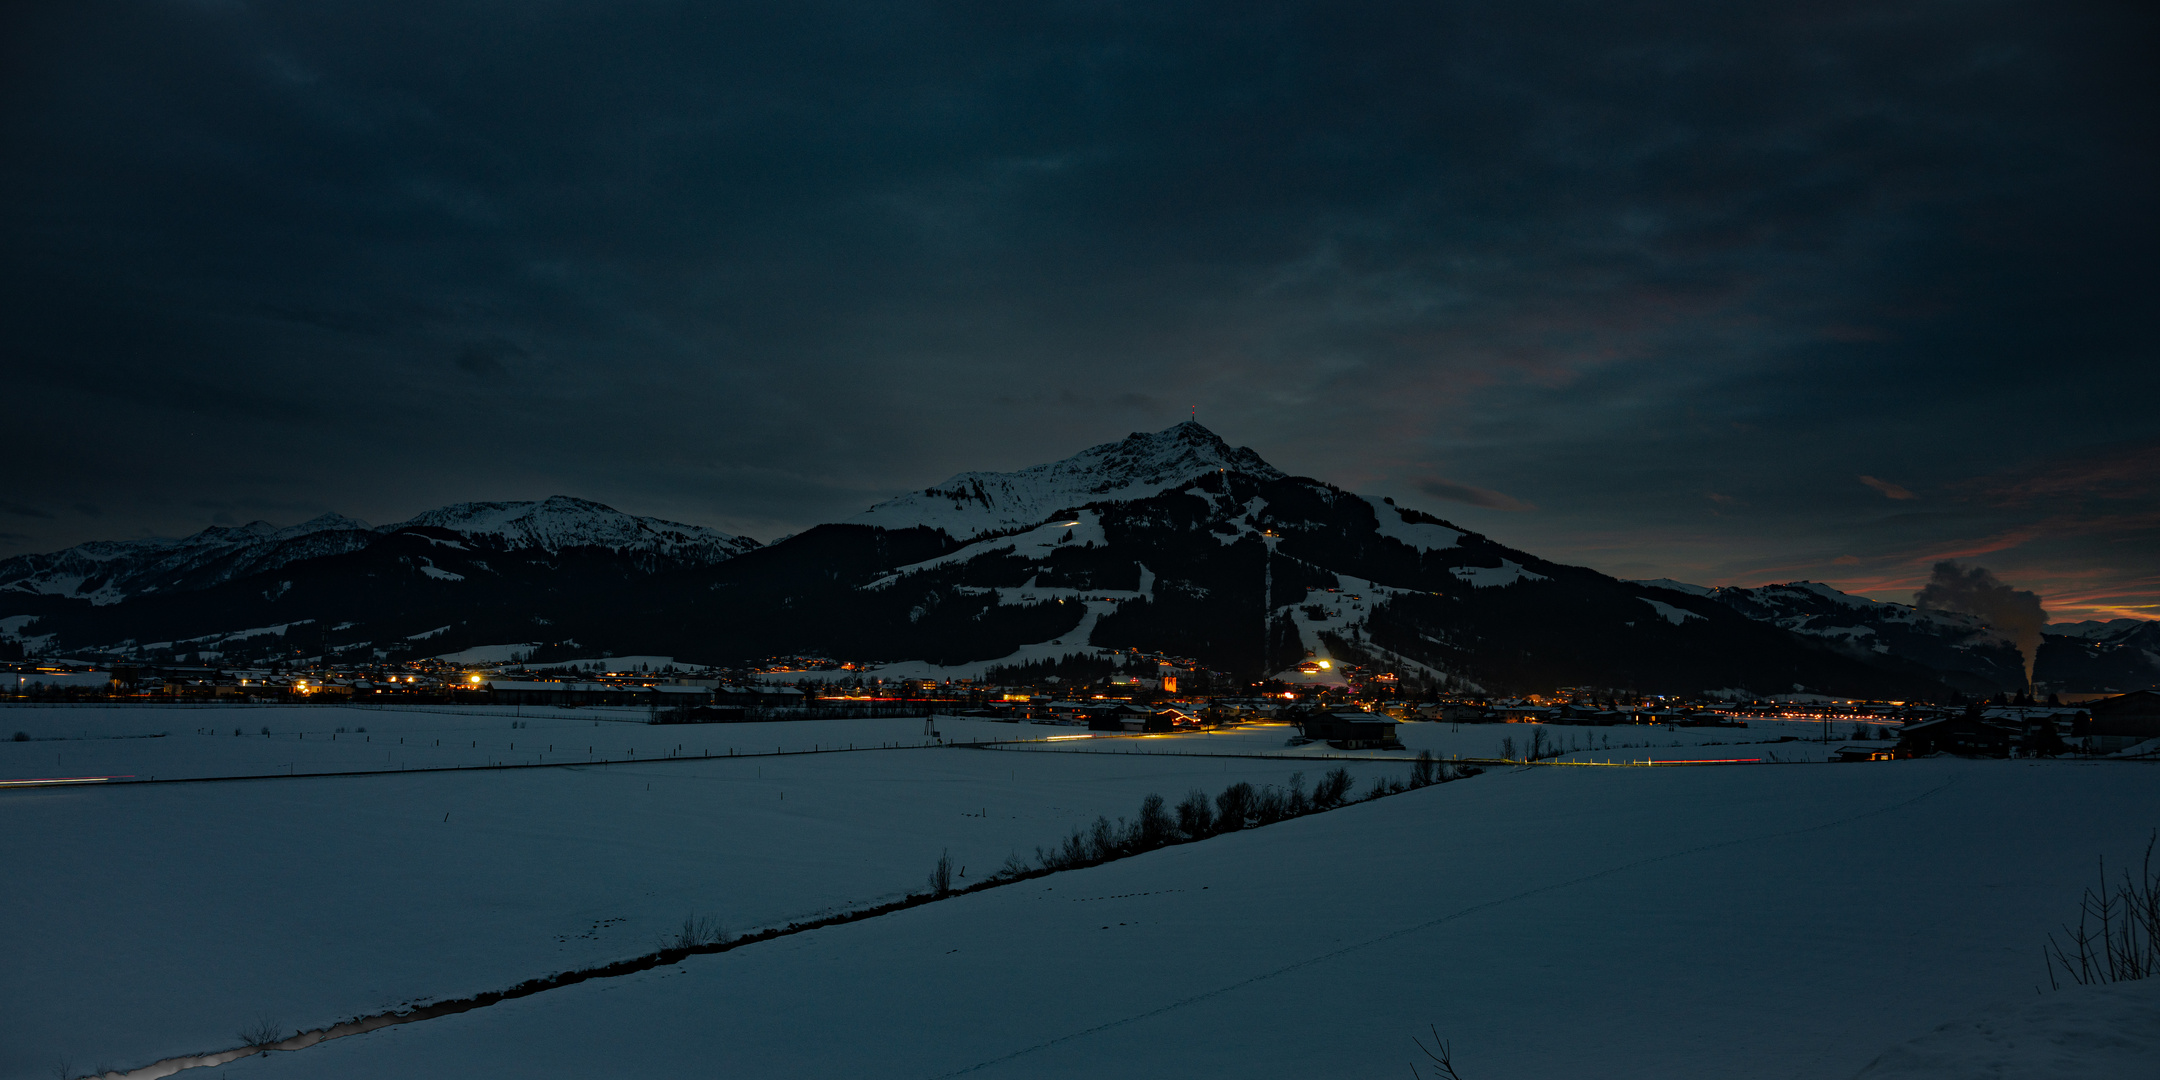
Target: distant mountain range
x,y
110,571
2122,654
1169,542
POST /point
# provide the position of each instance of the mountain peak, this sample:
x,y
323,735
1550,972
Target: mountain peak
x,y
1135,467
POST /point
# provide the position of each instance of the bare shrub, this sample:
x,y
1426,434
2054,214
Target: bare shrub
x,y
1441,1054
1196,815
697,931
941,874
1102,841
262,1034
1332,789
1155,827
2117,938
1423,772
1233,807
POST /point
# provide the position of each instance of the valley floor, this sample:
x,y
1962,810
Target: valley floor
x,y
1800,921
149,920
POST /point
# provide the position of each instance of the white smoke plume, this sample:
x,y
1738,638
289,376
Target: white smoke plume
x,y
2014,613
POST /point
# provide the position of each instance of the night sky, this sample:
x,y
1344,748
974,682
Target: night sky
x,y
1730,293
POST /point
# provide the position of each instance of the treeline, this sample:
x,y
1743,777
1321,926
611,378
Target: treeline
x,y
1197,817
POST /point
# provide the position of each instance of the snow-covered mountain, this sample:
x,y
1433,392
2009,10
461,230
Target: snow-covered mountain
x,y
109,571
1171,543
2116,656
1294,578
2098,630
1974,656
563,522
1140,465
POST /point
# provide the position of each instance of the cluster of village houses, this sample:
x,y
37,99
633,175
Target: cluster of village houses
x,y
1335,713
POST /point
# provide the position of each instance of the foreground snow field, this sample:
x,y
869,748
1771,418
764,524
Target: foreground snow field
x,y
2081,1033
147,920
1778,921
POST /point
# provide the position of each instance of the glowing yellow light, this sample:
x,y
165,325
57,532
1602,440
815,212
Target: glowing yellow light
x,y
476,678
1324,664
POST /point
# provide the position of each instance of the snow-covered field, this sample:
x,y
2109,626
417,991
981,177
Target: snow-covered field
x,y
178,742
153,919
171,743
1777,921
1797,921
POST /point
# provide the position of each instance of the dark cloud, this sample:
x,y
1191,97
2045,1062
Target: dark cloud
x,y
755,267
1470,495
1888,489
488,358
21,510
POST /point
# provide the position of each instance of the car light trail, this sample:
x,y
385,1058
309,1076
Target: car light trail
x,y
52,781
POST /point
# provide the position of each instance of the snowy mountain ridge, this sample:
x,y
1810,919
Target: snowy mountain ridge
x,y
1971,655
1811,607
109,571
2099,630
1136,467
561,522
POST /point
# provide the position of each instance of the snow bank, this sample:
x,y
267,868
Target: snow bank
x,y
2078,1033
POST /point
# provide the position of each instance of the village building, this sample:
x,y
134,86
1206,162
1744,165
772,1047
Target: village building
x,y
2119,723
